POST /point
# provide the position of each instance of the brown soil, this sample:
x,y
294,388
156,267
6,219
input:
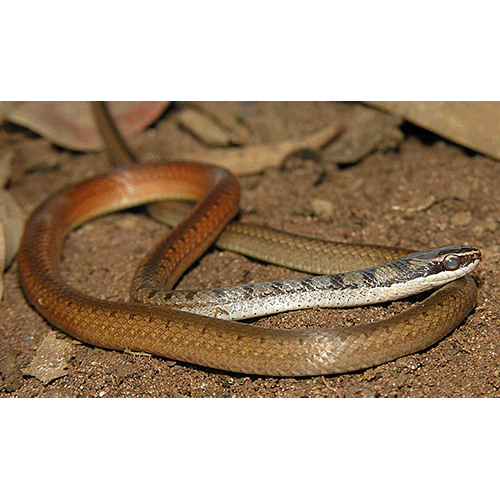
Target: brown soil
x,y
384,199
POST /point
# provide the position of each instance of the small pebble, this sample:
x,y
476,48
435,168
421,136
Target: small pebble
x,y
322,207
461,218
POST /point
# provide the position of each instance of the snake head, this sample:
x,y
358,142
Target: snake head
x,y
444,264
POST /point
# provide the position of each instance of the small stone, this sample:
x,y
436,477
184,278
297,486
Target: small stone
x,y
322,207
460,190
488,224
461,218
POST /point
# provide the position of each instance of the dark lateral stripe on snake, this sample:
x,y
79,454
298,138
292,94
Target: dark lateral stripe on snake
x,y
394,280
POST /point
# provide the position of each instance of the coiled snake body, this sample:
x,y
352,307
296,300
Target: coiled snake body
x,y
203,340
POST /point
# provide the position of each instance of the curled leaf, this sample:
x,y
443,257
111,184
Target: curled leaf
x,y
70,124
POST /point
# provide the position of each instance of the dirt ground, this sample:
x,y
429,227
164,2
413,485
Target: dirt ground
x,y
428,192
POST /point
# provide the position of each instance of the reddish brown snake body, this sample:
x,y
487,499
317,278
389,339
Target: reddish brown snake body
x,y
196,339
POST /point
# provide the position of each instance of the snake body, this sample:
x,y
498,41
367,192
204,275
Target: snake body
x,y
406,276
194,338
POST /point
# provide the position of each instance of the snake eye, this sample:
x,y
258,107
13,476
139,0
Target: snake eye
x,y
451,262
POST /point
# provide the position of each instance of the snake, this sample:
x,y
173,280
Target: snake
x,y
211,340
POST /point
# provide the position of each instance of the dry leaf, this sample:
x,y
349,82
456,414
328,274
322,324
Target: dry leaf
x,y
225,114
12,219
475,125
6,108
70,124
5,167
51,360
254,159
203,127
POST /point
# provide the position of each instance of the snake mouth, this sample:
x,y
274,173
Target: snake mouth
x,y
472,257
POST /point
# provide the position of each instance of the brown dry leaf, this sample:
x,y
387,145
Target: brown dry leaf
x,y
6,158
12,219
203,127
365,129
475,125
6,108
254,159
51,360
70,124
224,114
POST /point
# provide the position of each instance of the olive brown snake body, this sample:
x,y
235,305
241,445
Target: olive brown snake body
x,y
203,340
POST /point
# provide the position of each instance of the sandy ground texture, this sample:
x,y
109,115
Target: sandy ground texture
x,y
428,192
